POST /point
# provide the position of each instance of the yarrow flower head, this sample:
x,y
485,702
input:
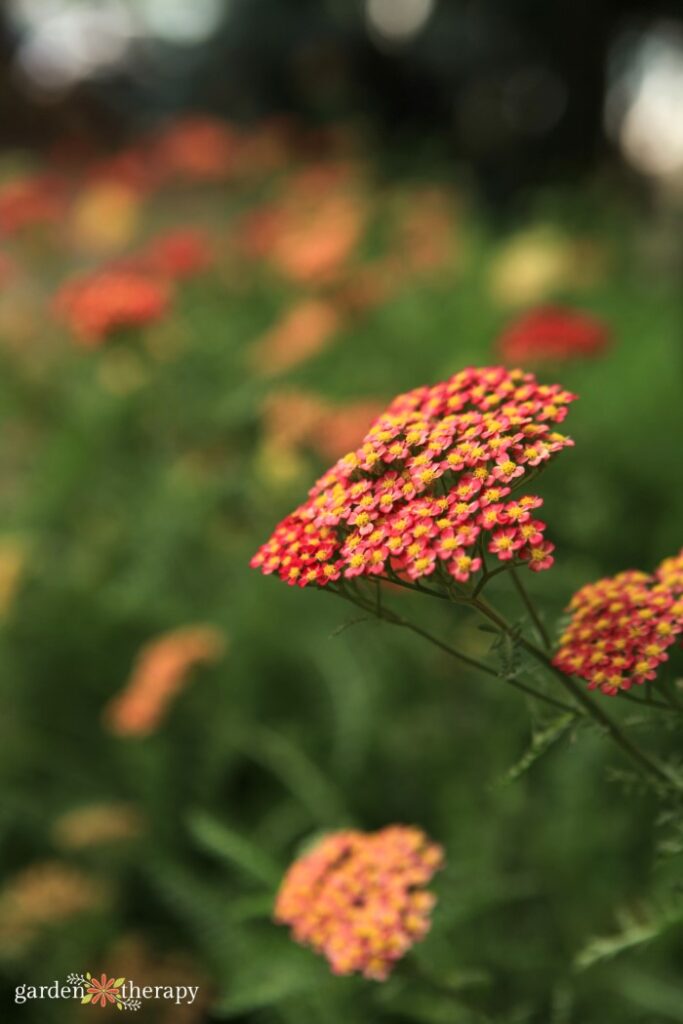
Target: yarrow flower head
x,y
182,253
360,898
622,627
553,333
430,487
96,305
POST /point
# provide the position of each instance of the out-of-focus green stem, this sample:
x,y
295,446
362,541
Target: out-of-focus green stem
x,y
530,607
387,615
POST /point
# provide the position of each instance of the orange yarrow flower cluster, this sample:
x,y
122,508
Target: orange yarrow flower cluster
x,y
198,148
96,305
430,484
161,670
622,627
360,898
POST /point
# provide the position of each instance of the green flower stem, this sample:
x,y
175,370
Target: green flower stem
x,y
530,607
389,616
649,702
582,697
489,576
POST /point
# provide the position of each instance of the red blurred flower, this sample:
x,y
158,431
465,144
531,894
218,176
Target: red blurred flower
x,y
553,333
96,305
29,202
134,167
181,253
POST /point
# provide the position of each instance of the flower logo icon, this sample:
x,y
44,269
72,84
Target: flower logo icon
x,y
103,991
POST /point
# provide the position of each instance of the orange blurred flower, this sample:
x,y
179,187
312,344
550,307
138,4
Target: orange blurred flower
x,y
197,148
299,419
316,239
427,239
98,304
304,330
29,202
309,232
160,671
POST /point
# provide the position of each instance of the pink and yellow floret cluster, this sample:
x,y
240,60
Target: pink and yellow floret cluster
x,y
360,899
622,627
430,489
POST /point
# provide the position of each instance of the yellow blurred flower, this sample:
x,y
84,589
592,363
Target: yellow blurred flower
x,y
96,825
42,895
533,265
12,562
105,218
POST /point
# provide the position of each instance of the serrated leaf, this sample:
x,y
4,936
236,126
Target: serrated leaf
x,y
634,931
540,743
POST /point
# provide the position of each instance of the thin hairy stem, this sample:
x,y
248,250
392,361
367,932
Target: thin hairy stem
x,y
582,697
387,615
531,608
489,576
649,702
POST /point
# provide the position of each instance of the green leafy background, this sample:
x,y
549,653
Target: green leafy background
x,y
560,902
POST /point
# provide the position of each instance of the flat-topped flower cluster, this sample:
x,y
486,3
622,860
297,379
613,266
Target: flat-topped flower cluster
x,y
430,487
622,627
359,898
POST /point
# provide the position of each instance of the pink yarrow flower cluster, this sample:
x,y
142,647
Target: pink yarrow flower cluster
x,y
360,898
622,627
431,486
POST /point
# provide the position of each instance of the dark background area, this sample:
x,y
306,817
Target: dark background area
x,y
515,89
